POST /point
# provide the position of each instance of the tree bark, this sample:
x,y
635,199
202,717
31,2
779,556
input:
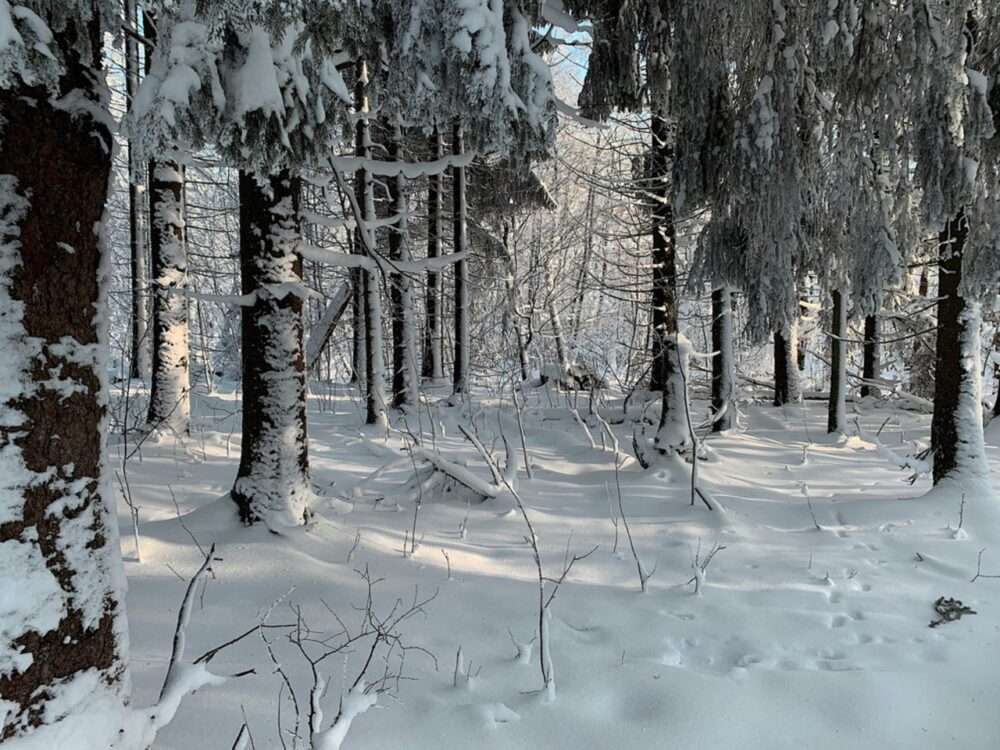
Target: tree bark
x,y
674,432
170,394
722,363
664,302
405,383
371,289
460,224
60,565
872,356
272,484
433,363
786,372
139,364
957,424
836,418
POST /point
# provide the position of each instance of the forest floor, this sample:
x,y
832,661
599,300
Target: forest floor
x,y
802,637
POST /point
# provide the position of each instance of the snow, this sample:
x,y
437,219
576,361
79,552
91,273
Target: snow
x,y
801,636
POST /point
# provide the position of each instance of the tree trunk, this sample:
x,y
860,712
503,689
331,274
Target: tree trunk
x,y
674,432
405,383
170,394
139,366
996,370
61,578
723,390
557,330
664,302
320,334
359,355
512,303
957,424
371,290
272,484
872,356
362,184
786,372
460,208
433,364
922,359
836,418
580,298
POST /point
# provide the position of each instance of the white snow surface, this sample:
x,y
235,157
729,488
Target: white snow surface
x,y
802,637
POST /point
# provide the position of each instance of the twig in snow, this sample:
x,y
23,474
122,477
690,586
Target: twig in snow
x,y
979,569
643,575
701,566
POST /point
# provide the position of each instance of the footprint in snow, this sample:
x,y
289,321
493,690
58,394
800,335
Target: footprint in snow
x,y
495,714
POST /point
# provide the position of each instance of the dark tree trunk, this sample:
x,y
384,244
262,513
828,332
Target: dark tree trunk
x,y
996,372
780,369
786,372
272,484
365,238
361,189
664,302
405,388
956,427
359,356
872,356
170,395
674,430
63,616
139,366
433,364
460,208
837,409
722,362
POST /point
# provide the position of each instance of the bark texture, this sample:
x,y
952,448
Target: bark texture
x,y
272,484
872,356
170,395
957,425
433,364
664,302
139,365
460,373
836,416
62,639
723,395
786,371
405,382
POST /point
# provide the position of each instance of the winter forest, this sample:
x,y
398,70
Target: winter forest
x,y
436,374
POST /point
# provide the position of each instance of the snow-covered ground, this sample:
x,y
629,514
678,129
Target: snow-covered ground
x,y
802,637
